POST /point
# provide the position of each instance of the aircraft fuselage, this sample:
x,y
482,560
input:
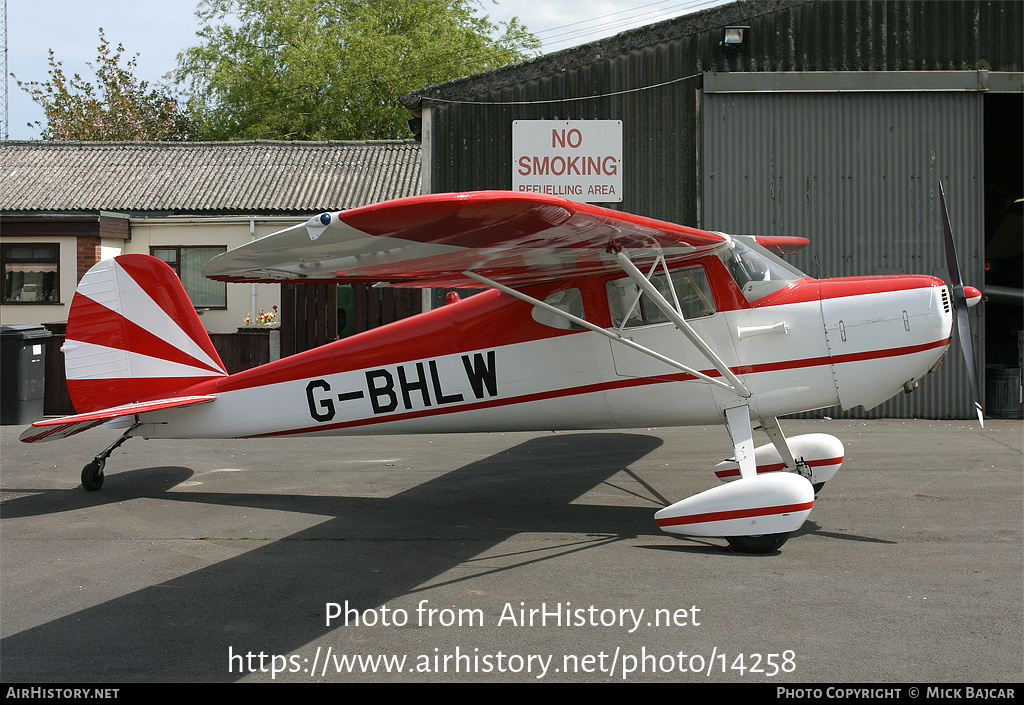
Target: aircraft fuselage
x,y
492,362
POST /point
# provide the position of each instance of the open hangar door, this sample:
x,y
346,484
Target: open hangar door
x,y
857,171
1004,263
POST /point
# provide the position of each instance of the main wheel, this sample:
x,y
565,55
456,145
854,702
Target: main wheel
x,y
765,543
92,476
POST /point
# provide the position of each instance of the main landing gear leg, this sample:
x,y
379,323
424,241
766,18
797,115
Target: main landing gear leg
x,y
755,513
778,438
737,421
92,474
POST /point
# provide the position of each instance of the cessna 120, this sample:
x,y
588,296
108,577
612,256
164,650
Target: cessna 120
x,y
591,319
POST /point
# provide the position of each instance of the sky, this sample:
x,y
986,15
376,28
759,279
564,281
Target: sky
x,y
157,30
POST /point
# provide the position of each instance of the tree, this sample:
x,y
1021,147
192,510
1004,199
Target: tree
x,y
333,69
119,107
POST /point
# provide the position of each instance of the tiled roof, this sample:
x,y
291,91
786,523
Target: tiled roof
x,y
204,177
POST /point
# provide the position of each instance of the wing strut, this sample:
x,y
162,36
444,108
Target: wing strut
x,y
680,323
736,386
590,326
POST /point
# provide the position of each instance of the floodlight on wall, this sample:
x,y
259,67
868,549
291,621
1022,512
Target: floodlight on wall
x,y
734,38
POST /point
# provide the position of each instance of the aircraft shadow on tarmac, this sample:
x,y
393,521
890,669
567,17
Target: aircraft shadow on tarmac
x,y
371,551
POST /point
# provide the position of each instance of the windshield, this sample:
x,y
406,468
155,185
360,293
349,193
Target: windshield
x,y
756,270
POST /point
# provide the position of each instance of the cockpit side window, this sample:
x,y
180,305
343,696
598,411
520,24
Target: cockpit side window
x,y
691,289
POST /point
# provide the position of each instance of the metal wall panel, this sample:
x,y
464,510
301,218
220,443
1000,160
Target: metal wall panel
x,y
652,78
652,90
857,174
642,77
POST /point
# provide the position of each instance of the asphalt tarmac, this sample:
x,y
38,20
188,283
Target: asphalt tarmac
x,y
507,558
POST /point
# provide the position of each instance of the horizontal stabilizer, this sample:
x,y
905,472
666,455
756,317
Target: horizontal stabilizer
x,y
52,429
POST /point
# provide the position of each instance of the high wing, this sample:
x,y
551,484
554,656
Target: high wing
x,y
432,240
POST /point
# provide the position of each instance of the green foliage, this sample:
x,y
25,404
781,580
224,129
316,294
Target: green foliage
x,y
118,107
332,69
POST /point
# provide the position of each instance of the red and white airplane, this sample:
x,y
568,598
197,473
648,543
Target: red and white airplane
x,y
592,319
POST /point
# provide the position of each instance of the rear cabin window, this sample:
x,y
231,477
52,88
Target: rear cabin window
x,y
568,300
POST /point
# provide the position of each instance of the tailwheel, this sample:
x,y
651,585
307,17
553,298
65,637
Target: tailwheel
x,y
92,475
765,543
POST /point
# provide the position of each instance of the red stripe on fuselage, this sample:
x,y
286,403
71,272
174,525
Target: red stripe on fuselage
x,y
493,320
487,320
591,389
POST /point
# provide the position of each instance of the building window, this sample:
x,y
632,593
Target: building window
x,y
31,273
187,262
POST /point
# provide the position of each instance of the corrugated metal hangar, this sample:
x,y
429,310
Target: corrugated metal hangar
x,y
833,120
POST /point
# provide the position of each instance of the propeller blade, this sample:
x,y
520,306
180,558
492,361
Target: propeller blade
x,y
963,321
952,264
963,325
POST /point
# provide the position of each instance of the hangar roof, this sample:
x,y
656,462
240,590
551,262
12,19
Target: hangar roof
x,y
787,35
584,54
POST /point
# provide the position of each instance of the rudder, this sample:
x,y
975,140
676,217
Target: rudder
x,y
134,335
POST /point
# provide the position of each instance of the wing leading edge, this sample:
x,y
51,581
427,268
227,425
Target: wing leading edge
x,y
432,240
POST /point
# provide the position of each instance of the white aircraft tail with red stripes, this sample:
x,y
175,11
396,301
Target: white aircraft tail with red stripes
x,y
133,335
134,343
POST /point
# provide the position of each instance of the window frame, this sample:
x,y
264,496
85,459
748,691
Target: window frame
x,y
176,266
757,272
645,312
6,260
568,300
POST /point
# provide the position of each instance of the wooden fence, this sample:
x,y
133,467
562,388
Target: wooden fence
x,y
249,347
311,315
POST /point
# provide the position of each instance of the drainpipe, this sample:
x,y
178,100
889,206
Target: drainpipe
x,y
252,292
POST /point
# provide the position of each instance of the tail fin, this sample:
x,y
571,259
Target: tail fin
x,y
133,335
